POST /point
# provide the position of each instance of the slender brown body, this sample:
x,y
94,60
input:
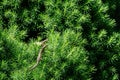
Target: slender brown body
x,y
39,54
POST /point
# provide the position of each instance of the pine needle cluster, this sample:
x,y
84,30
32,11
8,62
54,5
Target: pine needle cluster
x,y
83,39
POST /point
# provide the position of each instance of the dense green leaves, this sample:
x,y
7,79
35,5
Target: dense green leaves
x,y
83,39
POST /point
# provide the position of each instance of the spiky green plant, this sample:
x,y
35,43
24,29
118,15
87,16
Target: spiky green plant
x,y
83,39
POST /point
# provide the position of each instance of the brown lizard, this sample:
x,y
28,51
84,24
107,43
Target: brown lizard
x,y
40,53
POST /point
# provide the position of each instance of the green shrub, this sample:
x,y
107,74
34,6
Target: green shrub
x,y
83,39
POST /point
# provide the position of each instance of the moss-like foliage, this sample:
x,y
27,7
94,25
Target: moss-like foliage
x,y
83,39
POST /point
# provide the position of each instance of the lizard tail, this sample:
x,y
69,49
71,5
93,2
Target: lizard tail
x,y
34,66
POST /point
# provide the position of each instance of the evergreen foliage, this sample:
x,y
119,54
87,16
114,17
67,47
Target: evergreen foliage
x,y
83,39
